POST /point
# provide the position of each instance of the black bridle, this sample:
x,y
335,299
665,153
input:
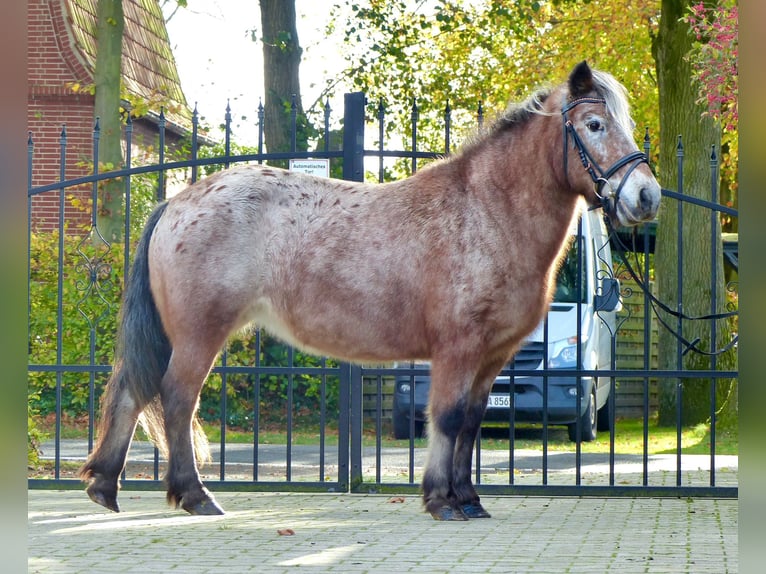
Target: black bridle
x,y
609,197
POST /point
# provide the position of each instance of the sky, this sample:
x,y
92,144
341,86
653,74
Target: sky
x,y
218,62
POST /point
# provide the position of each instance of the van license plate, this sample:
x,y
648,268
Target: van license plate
x,y
499,402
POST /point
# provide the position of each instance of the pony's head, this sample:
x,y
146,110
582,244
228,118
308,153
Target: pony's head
x,y
601,158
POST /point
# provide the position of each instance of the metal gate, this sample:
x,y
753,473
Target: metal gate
x,y
346,405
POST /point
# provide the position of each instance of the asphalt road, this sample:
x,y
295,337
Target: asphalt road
x,y
306,459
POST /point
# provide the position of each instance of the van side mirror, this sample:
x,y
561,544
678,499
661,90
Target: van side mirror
x,y
609,297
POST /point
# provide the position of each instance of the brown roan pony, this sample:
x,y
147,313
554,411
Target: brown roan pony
x,y
453,264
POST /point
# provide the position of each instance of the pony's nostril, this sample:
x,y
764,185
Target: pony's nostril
x,y
645,199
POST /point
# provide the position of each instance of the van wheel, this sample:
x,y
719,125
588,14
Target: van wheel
x,y
588,423
604,421
401,424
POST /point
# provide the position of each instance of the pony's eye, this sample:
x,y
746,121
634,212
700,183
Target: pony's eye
x,y
594,125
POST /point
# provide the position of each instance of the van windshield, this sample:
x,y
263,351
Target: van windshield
x,y
566,280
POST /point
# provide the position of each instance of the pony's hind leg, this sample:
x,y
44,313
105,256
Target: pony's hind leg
x,y
179,394
104,465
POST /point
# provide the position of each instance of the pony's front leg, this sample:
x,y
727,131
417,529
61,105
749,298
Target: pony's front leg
x,y
462,485
446,415
179,392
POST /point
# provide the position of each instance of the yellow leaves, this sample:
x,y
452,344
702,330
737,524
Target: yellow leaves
x,y
78,88
79,204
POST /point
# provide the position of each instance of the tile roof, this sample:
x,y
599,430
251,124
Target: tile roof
x,y
148,66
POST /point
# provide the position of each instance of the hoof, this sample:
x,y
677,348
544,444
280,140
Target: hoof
x,y
207,507
475,510
106,500
449,513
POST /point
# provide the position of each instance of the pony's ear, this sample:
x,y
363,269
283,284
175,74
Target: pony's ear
x,y
580,81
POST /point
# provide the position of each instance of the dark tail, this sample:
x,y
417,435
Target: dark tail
x,y
142,353
143,349
140,359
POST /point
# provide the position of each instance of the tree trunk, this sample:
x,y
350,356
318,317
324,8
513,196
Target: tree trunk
x,y
110,22
281,63
681,115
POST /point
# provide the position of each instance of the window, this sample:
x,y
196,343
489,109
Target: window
x,y
566,280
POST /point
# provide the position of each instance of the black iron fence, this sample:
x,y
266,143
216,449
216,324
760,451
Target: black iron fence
x,y
311,423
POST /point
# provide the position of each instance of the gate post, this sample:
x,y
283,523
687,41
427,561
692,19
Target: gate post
x,y
344,402
353,170
356,422
353,136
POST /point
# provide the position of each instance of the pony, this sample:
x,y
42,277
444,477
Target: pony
x,y
453,264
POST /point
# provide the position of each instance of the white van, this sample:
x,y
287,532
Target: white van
x,y
551,348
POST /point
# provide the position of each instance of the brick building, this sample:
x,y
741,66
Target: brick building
x,y
61,63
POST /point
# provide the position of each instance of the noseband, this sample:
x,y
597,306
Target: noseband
x,y
609,197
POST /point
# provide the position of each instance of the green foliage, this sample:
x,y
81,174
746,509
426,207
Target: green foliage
x,y
306,392
143,199
91,282
35,436
465,53
487,53
219,150
305,131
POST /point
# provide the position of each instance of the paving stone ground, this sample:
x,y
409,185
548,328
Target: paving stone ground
x,y
354,533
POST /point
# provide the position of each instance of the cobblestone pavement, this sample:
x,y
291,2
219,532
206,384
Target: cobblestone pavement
x,y
353,533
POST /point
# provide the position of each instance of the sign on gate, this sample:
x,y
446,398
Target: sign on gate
x,y
320,167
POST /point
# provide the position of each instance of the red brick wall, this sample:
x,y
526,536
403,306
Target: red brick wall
x,y
52,66
47,116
